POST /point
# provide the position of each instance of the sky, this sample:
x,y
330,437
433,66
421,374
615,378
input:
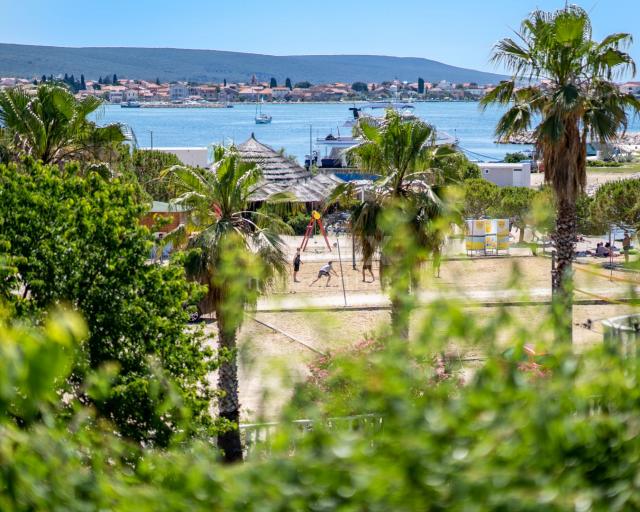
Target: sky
x,y
457,32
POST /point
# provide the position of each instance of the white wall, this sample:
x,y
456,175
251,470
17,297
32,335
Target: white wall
x,y
506,175
193,157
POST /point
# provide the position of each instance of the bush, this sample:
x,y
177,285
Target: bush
x,y
601,163
514,158
298,223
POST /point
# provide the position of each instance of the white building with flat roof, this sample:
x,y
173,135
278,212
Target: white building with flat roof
x,y
506,175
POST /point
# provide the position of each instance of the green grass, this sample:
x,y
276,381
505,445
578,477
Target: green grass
x,y
629,168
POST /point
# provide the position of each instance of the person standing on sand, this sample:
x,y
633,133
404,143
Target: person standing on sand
x,y
296,266
626,246
325,271
437,261
366,265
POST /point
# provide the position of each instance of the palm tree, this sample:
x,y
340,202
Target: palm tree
x,y
236,252
403,153
570,97
53,126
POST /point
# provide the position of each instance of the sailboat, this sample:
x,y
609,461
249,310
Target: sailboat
x,y
262,118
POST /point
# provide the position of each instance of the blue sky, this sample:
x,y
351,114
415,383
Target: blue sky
x,y
458,32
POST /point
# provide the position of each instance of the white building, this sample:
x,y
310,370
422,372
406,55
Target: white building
x,y
506,175
131,95
178,91
279,93
115,96
190,156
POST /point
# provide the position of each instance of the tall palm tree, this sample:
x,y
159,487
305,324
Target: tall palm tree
x,y
570,97
403,153
53,126
236,252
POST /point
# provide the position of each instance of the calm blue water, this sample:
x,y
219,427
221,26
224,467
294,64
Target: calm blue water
x,y
291,122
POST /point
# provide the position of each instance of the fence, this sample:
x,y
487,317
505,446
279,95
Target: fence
x,y
258,437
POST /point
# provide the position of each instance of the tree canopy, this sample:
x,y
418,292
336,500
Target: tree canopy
x,y
75,240
53,126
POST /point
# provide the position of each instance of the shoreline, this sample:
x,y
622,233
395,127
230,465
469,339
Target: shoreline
x,y
232,104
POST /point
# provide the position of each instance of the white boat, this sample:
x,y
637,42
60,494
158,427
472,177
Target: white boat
x,y
262,118
130,104
406,110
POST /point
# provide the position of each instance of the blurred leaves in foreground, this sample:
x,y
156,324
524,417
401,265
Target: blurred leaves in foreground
x,y
503,436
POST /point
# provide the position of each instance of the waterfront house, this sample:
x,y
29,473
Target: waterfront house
x,y
178,91
280,93
115,96
131,95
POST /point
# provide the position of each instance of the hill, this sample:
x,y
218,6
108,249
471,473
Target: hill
x,y
170,64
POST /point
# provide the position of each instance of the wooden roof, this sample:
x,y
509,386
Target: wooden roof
x,y
275,167
280,174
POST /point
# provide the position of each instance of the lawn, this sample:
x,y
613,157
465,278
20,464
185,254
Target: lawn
x,y
630,168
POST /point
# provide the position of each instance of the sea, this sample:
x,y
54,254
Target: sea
x,y
297,125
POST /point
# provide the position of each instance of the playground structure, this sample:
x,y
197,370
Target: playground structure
x,y
487,236
316,219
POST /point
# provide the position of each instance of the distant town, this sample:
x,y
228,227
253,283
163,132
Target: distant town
x,y
125,91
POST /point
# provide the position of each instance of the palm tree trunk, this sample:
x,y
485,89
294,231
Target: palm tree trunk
x,y
229,403
561,279
400,311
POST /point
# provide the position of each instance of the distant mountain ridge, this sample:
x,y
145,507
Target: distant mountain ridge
x,y
169,64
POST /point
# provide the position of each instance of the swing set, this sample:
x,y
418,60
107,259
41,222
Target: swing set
x,y
316,218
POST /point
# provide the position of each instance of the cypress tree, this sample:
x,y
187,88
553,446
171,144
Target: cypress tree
x,y
83,85
43,79
225,82
157,81
420,86
273,83
288,83
115,79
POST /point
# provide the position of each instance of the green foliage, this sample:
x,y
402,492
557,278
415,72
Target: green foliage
x,y
515,203
288,83
273,83
456,168
403,217
237,253
302,85
480,196
360,87
617,202
53,126
420,85
298,222
586,223
76,240
148,166
521,432
601,163
514,158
